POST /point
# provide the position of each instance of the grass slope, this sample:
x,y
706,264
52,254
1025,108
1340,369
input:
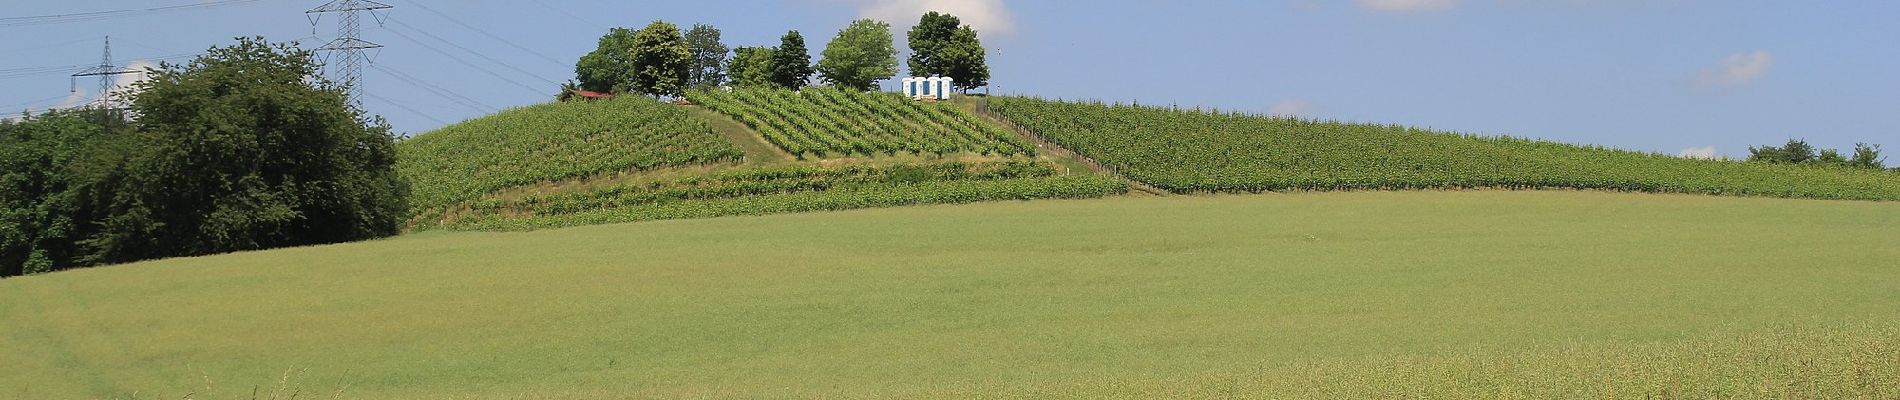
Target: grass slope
x,y
1352,294
1195,151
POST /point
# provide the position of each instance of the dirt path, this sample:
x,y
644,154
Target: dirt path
x,y
757,150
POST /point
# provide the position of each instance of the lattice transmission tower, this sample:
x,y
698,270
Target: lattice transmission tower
x,y
105,71
345,56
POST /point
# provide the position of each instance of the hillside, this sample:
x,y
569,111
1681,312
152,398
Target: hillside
x,y
1313,295
635,159
1202,151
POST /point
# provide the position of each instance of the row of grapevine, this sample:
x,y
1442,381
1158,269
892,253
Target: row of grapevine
x,y
1195,151
794,188
550,142
828,122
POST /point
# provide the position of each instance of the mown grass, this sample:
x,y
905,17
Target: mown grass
x,y
1348,294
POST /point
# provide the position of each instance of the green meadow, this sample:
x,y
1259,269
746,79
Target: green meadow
x,y
1443,294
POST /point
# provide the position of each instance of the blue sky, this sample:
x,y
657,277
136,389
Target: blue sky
x,y
1657,75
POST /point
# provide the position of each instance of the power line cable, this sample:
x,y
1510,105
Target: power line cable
x,y
404,107
476,53
497,38
100,15
437,90
35,102
452,57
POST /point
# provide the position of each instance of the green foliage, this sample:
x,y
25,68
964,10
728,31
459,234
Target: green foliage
x,y
662,62
709,57
550,142
796,188
828,122
752,67
791,62
941,47
861,55
244,152
47,165
237,150
932,33
1866,156
609,68
1189,152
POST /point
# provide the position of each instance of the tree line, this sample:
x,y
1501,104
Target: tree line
x,y
659,60
1797,151
242,148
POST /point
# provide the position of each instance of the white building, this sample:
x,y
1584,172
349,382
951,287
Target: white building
x,y
928,88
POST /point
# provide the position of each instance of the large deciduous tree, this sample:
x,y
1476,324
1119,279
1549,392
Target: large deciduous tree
x,y
931,34
609,68
861,55
752,67
941,46
662,62
709,57
791,62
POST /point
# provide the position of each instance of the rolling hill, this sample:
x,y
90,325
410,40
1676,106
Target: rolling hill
x,y
1359,294
1372,269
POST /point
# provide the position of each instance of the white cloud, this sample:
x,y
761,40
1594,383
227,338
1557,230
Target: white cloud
x,y
1291,108
122,84
990,17
1701,153
1406,5
1737,69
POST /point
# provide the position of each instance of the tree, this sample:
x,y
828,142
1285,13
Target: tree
x,y
791,62
662,62
941,46
1867,156
861,55
964,60
752,67
931,34
245,148
609,68
1795,152
709,57
46,162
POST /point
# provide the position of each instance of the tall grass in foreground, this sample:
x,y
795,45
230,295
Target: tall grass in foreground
x,y
1196,151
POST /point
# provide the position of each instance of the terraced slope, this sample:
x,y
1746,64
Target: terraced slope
x,y
830,123
634,159
1192,151
550,142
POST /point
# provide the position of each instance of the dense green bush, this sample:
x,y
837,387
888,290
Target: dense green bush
x,y
828,122
553,141
237,150
1195,151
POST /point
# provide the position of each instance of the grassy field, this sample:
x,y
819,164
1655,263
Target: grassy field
x,y
1346,294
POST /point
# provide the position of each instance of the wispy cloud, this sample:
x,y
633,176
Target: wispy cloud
x,y
1737,69
1292,108
991,18
1405,6
1701,153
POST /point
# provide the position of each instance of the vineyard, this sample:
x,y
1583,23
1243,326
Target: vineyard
x,y
550,142
1195,151
828,123
794,188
